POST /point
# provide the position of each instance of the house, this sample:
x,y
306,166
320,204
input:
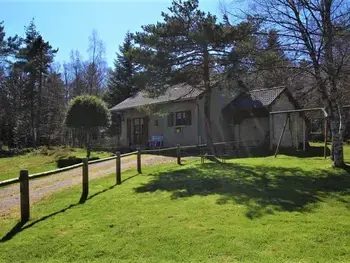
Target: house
x,y
253,126
177,117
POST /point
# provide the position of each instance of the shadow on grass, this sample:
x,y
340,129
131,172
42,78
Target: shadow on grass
x,y
19,227
128,178
261,189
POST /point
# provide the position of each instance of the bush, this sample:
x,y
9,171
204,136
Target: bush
x,y
13,152
71,160
87,112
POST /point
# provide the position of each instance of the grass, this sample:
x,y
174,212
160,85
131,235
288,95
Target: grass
x,y
346,149
40,160
248,210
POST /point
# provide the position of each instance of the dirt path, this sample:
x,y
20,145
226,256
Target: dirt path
x,y
43,187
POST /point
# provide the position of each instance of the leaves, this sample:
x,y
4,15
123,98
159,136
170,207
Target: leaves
x,y
123,78
87,112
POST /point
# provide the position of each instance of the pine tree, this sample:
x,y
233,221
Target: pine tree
x,y
121,81
35,58
8,94
53,108
189,46
271,64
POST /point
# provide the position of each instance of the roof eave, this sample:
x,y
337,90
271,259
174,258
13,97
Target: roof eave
x,y
156,103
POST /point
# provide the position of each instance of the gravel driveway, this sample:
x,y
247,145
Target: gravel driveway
x,y
45,186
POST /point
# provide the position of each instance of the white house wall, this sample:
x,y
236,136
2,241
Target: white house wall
x,y
293,135
187,135
221,130
252,132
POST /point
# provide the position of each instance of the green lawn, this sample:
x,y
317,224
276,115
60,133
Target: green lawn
x,y
346,149
40,160
248,210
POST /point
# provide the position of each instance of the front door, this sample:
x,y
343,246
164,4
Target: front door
x,y
140,131
128,131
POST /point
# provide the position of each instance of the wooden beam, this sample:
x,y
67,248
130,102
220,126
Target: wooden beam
x,y
302,110
139,161
297,133
178,153
281,137
24,194
271,131
85,182
118,170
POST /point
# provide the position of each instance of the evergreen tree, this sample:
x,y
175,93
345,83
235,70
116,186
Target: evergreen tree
x,y
35,58
53,108
121,81
271,65
8,94
189,46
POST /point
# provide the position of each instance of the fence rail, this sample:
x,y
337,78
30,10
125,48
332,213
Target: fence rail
x,y
56,171
159,150
60,170
24,178
9,181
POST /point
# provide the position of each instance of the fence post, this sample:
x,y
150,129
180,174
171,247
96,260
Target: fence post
x,y
139,161
178,153
24,193
325,137
119,181
85,179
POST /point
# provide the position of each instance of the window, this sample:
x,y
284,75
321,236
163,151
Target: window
x,y
156,123
171,119
183,118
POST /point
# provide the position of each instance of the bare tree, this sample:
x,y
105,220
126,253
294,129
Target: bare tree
x,y
309,32
76,67
96,67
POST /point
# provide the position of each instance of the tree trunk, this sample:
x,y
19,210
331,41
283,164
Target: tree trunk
x,y
337,147
87,144
32,120
207,101
337,130
38,117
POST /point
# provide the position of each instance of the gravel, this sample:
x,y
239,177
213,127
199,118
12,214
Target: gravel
x,y
45,186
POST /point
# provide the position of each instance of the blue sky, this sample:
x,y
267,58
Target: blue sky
x,y
68,24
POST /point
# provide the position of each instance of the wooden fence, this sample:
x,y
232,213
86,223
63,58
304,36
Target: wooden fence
x,y
24,177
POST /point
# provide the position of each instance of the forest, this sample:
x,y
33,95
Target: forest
x,y
301,45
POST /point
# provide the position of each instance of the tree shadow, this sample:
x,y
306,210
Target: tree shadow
x,y
263,190
130,177
20,226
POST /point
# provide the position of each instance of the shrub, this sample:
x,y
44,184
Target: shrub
x,y
71,160
13,152
87,113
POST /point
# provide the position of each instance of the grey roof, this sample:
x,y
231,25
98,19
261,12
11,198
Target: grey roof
x,y
256,98
178,92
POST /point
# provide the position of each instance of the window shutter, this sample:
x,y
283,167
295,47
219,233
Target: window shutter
x,y
171,119
188,118
128,130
